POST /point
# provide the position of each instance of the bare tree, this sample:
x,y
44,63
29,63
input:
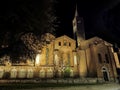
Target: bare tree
x,y
32,42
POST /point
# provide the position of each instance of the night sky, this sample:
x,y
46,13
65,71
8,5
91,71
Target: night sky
x,y
101,17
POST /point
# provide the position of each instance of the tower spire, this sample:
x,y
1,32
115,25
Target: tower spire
x,y
78,28
76,11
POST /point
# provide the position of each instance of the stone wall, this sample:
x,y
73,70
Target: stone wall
x,y
59,81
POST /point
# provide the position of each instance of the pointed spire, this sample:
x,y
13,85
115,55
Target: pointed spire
x,y
76,11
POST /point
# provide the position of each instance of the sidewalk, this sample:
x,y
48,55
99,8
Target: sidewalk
x,y
86,87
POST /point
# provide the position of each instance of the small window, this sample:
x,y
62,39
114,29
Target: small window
x,y
106,57
99,58
65,43
59,43
69,44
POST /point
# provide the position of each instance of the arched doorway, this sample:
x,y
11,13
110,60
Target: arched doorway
x,y
105,74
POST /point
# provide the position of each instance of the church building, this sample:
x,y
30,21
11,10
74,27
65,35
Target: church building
x,y
96,55
66,57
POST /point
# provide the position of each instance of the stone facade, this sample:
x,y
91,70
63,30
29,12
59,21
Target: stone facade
x,y
60,58
97,59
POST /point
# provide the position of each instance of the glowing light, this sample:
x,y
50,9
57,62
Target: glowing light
x,y
56,59
75,60
37,60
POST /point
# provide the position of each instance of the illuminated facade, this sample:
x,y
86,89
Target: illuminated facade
x,y
92,58
97,59
58,58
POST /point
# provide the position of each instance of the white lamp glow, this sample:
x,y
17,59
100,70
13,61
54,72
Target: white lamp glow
x,y
75,60
56,59
37,60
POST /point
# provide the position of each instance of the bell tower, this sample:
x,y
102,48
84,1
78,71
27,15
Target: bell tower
x,y
78,28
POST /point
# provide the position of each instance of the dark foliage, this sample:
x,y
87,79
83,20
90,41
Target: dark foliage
x,y
19,17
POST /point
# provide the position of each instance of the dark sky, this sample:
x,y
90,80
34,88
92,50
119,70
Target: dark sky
x,y
101,17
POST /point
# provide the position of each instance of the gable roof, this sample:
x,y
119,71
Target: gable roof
x,y
94,40
65,36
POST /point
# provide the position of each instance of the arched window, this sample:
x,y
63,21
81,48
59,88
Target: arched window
x,y
49,73
106,58
61,63
42,73
65,43
69,44
59,43
47,55
68,55
75,60
1,73
13,73
56,60
99,58
30,73
22,73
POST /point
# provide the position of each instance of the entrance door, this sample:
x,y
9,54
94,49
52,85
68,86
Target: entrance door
x,y
105,75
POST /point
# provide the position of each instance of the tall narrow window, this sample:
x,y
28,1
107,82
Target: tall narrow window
x,y
65,43
99,58
59,43
75,60
1,73
106,58
56,60
69,44
68,59
47,55
61,61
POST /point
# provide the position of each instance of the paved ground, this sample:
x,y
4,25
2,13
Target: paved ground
x,y
86,87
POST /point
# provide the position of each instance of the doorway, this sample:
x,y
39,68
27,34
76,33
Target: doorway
x,y
105,74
